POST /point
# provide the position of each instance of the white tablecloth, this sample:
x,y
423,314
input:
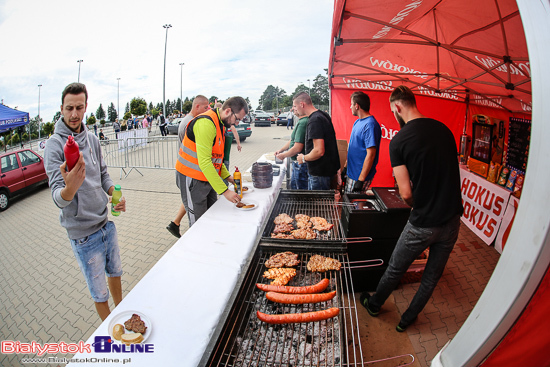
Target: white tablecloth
x,y
185,293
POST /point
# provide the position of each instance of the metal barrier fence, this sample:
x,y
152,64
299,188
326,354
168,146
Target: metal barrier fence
x,y
134,153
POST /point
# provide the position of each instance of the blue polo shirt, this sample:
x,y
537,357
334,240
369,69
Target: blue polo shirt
x,y
366,133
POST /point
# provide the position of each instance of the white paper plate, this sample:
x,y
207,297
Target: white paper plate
x,y
248,202
246,184
122,317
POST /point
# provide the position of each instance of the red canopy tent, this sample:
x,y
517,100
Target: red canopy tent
x,y
460,57
468,55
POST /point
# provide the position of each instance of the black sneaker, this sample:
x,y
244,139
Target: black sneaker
x,y
174,229
364,299
402,326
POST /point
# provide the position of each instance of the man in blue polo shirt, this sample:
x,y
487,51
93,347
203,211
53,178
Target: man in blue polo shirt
x,y
364,145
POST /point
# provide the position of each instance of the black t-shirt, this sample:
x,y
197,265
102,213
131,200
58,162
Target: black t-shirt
x,y
428,149
320,126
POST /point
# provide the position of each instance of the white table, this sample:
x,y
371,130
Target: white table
x,y
185,293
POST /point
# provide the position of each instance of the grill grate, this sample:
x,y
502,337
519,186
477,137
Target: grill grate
x,y
313,204
246,341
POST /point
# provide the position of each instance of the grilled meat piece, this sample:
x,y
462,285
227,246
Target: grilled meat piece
x,y
282,260
280,276
321,264
284,236
301,217
304,234
283,218
321,224
283,228
135,324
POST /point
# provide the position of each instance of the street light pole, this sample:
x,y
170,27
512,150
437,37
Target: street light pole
x,y
39,85
309,89
166,26
79,62
118,98
181,86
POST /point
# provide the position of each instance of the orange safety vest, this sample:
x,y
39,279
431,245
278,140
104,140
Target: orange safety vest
x,y
188,163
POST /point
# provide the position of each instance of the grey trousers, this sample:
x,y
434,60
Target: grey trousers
x,y
412,242
197,196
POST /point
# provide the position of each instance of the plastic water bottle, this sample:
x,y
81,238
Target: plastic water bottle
x,y
71,152
115,199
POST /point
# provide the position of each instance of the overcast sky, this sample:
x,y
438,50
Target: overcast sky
x,y
231,47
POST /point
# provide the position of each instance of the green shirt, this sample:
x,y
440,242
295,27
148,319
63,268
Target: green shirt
x,y
299,135
205,132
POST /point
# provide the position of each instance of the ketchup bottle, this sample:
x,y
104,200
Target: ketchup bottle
x,y
71,152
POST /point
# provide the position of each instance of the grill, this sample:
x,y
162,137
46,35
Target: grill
x,y
313,204
246,341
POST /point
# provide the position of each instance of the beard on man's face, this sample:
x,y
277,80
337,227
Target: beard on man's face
x,y
226,122
399,120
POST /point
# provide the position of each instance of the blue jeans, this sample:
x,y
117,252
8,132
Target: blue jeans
x,y
412,242
318,182
299,177
98,254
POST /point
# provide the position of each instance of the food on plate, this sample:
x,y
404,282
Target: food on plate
x,y
245,188
315,288
282,260
118,330
132,338
304,234
284,236
242,205
321,224
299,299
283,228
290,318
280,276
321,264
283,218
135,324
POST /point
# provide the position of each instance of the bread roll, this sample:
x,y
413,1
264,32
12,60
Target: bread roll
x,y
131,338
118,330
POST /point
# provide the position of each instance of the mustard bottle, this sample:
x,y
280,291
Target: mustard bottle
x,y
238,182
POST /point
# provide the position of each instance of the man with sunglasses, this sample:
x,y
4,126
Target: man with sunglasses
x,y
200,161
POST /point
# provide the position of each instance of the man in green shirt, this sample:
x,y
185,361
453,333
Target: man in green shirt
x,y
299,176
200,161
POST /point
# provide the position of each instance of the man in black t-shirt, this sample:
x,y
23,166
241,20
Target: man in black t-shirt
x,y
423,155
320,145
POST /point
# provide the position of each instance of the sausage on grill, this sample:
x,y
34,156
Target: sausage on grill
x,y
316,288
299,299
290,318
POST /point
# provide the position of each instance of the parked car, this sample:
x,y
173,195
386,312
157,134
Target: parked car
x,y
173,126
20,171
243,129
282,119
262,119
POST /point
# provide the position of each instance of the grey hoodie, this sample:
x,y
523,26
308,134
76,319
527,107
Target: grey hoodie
x,y
87,212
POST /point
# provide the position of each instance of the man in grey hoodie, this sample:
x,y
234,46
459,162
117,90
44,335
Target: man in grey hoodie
x,y
81,194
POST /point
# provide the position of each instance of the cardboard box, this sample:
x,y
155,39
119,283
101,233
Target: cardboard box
x,y
342,151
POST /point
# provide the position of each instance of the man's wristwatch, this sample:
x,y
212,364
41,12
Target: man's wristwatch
x,y
304,158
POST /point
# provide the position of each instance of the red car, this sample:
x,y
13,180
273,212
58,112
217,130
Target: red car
x,y
20,171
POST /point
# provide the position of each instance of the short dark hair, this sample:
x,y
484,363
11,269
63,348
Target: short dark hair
x,y
404,94
74,88
303,97
236,104
362,99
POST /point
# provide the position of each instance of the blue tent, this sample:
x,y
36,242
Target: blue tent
x,y
10,118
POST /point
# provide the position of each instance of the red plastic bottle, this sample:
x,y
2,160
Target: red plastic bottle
x,y
71,152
